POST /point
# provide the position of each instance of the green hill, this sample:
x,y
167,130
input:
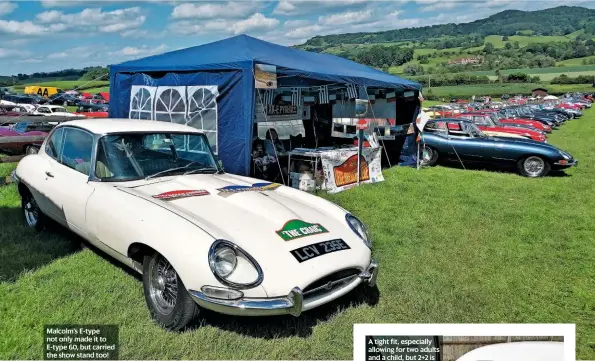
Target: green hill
x,y
559,21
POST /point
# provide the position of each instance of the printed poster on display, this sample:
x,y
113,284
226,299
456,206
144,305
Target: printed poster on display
x,y
265,76
340,168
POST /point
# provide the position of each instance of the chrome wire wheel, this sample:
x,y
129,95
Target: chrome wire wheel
x,y
31,212
534,166
163,285
427,155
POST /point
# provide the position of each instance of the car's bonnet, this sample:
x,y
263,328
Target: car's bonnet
x,y
254,216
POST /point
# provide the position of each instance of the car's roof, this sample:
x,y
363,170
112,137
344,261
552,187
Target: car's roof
x,y
110,125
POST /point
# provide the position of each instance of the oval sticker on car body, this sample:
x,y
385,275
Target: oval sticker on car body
x,y
297,228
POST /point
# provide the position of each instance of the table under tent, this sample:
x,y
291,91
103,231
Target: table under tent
x,y
242,91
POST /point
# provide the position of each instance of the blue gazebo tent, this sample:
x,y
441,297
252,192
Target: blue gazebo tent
x,y
212,87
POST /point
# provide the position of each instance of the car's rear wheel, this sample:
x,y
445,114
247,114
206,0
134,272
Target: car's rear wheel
x,y
533,166
168,300
33,216
429,156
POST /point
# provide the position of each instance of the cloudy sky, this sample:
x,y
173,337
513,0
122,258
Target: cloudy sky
x,y
57,34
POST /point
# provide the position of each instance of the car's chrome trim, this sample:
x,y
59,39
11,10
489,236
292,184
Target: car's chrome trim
x,y
15,177
292,304
568,163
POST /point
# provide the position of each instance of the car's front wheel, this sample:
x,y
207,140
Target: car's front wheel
x,y
534,166
168,300
33,216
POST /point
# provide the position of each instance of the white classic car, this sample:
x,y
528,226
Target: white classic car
x,y
56,110
152,195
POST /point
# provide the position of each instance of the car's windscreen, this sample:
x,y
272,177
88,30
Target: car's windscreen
x,y
133,156
473,130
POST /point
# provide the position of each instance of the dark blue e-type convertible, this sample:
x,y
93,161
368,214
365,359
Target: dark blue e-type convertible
x,y
461,140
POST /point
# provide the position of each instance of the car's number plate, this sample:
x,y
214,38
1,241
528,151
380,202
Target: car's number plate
x,y
318,249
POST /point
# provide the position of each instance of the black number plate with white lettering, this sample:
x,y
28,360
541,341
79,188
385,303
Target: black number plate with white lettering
x,y
318,249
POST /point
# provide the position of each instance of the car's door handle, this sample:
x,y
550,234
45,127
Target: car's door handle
x,y
49,174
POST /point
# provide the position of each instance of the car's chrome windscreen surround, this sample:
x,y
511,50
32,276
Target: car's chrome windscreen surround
x,y
237,249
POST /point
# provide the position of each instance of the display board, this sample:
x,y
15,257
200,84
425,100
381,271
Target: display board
x,y
340,168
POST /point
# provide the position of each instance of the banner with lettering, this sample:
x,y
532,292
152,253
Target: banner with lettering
x,y
340,168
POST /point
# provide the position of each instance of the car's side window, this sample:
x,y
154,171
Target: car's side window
x,y
53,147
479,120
77,151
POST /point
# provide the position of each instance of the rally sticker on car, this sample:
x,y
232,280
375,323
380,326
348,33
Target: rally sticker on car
x,y
318,249
256,187
297,228
183,193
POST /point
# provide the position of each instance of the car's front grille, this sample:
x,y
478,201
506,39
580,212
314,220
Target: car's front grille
x,y
331,282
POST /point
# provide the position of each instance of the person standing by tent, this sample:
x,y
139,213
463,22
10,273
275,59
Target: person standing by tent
x,y
274,148
473,98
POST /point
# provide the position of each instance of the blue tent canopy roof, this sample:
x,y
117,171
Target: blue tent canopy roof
x,y
242,51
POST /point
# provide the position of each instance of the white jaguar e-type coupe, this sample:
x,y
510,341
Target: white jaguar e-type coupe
x,y
152,195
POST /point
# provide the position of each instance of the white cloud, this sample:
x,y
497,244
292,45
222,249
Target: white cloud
x,y
94,20
22,28
440,5
346,18
292,24
144,50
255,23
13,53
297,7
304,32
349,21
7,8
59,55
72,3
213,10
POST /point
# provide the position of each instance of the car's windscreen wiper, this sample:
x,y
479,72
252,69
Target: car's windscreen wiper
x,y
202,170
175,169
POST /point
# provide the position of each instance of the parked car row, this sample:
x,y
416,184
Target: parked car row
x,y
89,105
513,136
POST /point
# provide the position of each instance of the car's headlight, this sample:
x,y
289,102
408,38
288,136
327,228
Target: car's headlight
x,y
566,155
225,261
233,266
359,228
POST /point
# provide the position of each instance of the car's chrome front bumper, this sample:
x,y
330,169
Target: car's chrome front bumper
x,y
568,164
292,304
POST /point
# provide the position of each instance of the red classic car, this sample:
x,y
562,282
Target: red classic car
x,y
92,110
499,118
484,122
570,106
23,129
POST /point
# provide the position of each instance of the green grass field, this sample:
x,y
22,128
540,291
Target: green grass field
x,y
495,90
525,40
574,61
454,246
